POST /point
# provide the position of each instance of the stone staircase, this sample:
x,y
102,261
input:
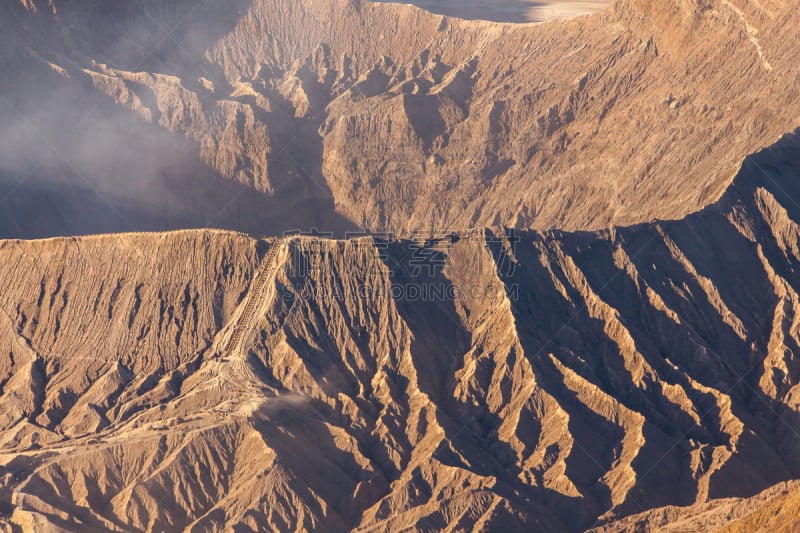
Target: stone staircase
x,y
254,296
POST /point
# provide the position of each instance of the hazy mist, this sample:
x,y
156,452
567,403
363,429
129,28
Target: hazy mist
x,y
73,161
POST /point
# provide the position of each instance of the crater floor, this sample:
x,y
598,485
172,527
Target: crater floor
x,y
508,10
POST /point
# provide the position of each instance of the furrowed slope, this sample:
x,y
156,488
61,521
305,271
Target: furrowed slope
x,y
98,327
356,114
478,380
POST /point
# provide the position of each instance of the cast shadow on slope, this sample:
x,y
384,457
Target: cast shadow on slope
x,y
700,327
438,350
74,164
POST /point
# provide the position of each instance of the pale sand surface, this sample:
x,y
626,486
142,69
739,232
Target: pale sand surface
x,y
509,10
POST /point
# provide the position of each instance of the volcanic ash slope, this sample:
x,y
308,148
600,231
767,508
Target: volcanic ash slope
x,y
204,380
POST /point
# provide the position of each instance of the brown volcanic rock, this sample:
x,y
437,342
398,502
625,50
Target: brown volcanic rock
x,y
544,381
395,118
